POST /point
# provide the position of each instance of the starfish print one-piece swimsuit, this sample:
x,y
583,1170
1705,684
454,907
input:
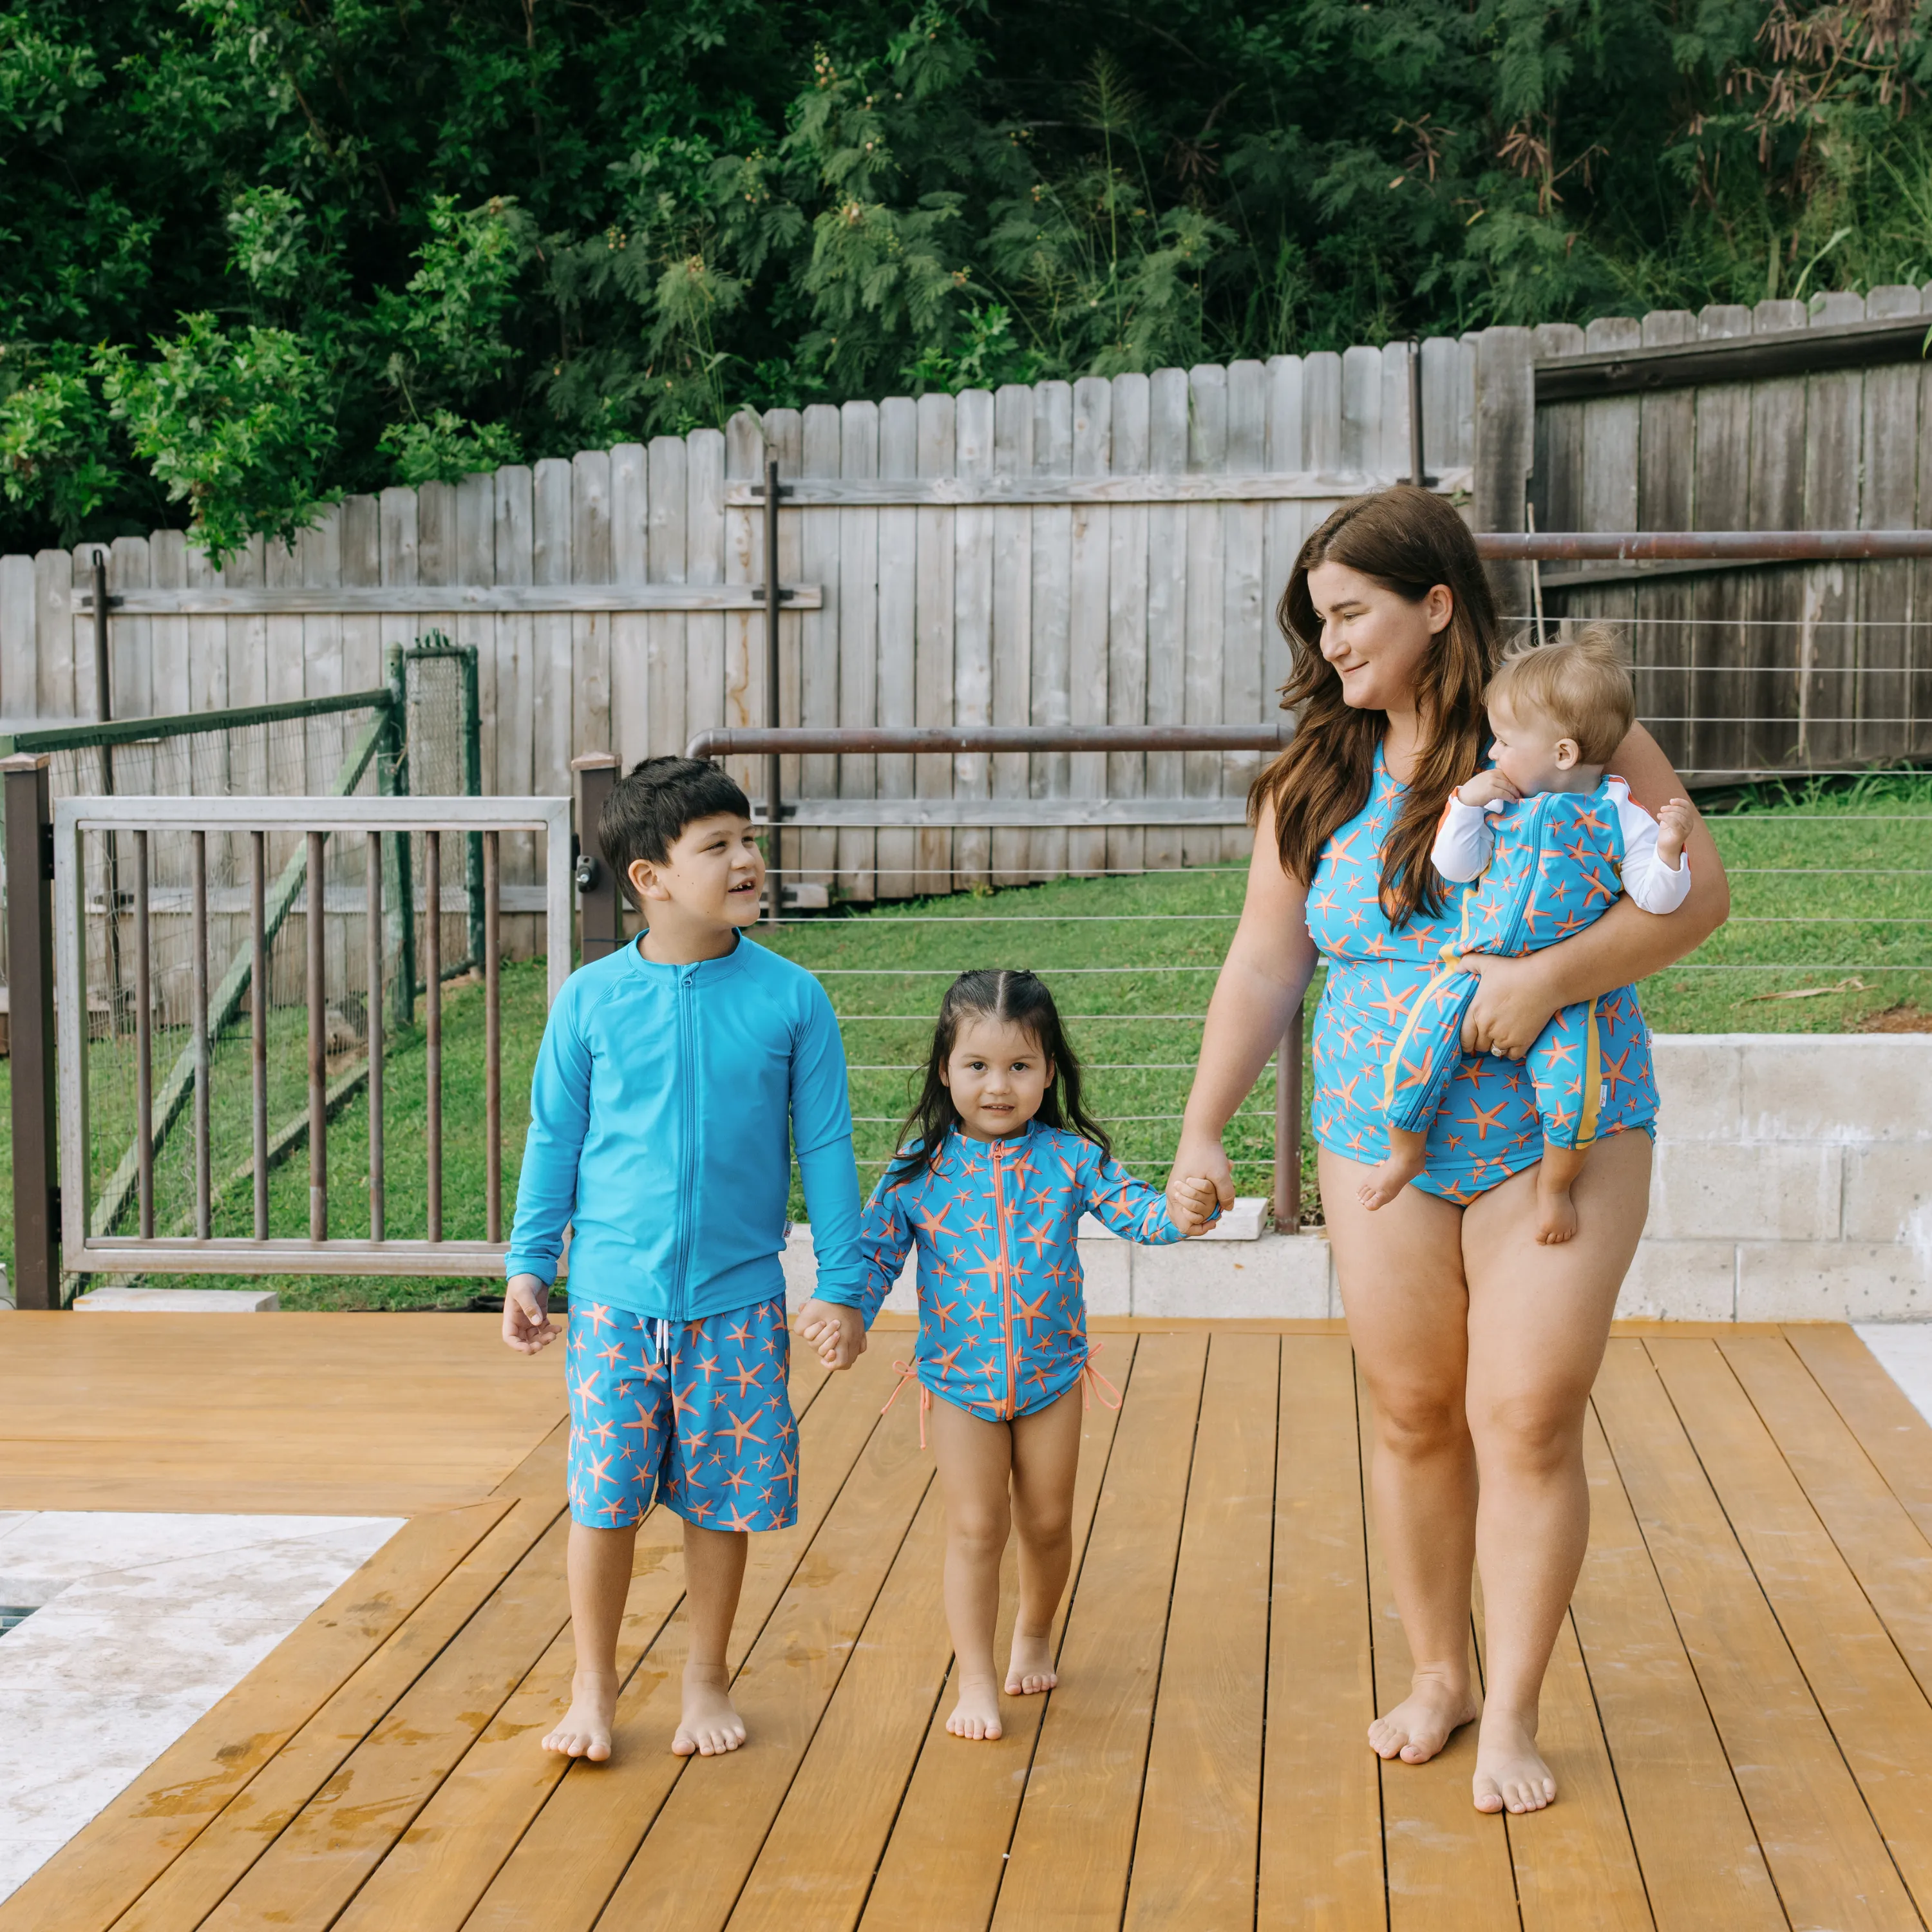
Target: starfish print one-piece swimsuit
x,y
1487,1126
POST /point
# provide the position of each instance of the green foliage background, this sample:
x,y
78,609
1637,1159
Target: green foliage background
x,y
260,251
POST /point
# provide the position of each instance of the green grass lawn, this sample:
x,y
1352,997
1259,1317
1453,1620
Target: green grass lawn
x,y
1831,891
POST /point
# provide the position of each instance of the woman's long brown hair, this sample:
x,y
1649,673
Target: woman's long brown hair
x,y
1409,540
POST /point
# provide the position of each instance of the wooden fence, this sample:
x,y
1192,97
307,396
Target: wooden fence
x,y
1096,552
1744,418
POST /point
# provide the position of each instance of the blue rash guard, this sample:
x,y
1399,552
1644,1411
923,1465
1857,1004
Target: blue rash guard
x,y
667,1102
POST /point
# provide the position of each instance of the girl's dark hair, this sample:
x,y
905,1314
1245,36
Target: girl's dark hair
x,y
1020,1000
1409,540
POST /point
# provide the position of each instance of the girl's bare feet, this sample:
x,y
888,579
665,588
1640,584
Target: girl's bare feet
x,y
710,1725
585,1731
1510,1773
1031,1670
1421,1725
977,1713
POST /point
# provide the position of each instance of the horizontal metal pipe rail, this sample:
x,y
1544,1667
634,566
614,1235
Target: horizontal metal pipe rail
x,y
737,742
91,1248
1717,546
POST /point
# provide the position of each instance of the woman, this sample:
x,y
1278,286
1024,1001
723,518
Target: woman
x,y
1479,1343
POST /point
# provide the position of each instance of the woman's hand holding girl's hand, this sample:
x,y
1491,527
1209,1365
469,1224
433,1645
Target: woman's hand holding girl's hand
x,y
1192,1204
1511,1006
1488,788
1200,1182
837,1332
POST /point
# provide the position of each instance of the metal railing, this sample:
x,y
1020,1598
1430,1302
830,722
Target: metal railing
x,y
48,845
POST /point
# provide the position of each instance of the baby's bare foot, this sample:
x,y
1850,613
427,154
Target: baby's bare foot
x,y
1420,1725
1402,1165
1510,1774
1031,1669
977,1713
710,1726
585,1731
1555,1218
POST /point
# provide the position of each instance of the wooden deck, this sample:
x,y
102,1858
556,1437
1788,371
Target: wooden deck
x,y
1737,1709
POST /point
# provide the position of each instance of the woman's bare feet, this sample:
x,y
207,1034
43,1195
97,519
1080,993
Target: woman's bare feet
x,y
585,1731
1510,1773
1421,1725
977,1713
1031,1670
1407,1156
710,1726
1556,1217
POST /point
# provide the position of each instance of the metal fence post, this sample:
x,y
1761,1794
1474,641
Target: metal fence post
x,y
472,788
1287,1129
601,914
30,944
393,780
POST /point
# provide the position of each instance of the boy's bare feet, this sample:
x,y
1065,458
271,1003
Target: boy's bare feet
x,y
1421,1725
585,1731
1031,1669
1403,1165
1510,1773
710,1725
977,1713
1556,1217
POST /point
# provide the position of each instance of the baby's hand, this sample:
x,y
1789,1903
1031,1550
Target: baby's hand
x,y
837,1332
1489,787
1200,1205
1674,824
527,1323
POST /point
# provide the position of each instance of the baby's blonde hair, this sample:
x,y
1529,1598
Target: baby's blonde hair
x,y
1581,683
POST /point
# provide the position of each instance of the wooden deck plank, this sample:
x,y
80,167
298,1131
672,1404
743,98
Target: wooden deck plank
x,y
322,1856
1896,1438
818,1862
567,1863
1197,1850
1575,1868
94,1878
1073,1845
328,1414
1322,1822
1701,1862
1890,1558
442,1864
1825,1854
942,1868
688,1873
1448,1864
1877,1713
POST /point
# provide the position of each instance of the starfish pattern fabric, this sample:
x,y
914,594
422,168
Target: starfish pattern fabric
x,y
695,1414
1002,1306
1487,1125
1554,866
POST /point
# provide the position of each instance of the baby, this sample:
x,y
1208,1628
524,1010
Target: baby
x,y
1547,836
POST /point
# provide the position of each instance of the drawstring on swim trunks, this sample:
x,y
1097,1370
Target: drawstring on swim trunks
x,y
1092,1383
908,1372
657,1340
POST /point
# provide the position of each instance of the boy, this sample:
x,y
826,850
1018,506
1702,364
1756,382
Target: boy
x,y
669,1076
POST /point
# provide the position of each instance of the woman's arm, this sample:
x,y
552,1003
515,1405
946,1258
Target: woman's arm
x,y
1268,969
1514,1003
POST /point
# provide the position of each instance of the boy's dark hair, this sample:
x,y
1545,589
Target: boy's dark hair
x,y
1021,1000
651,805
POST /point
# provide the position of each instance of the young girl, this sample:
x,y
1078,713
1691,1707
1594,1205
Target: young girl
x,y
998,1162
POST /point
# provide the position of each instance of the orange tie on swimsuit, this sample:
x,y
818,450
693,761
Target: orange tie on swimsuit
x,y
908,1372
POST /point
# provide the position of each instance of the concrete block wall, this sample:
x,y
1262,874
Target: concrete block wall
x,y
1793,1183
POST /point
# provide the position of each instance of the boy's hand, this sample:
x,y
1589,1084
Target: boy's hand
x,y
837,1332
1194,1204
1489,787
1674,824
527,1323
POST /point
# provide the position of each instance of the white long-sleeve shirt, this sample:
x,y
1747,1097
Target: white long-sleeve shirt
x,y
1465,839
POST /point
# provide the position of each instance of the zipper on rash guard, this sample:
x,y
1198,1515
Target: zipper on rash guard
x,y
687,1081
1006,1279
